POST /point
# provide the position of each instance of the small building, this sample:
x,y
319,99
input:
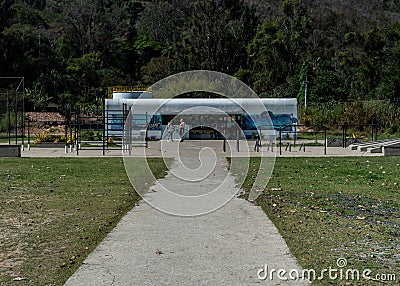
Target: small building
x,y
205,117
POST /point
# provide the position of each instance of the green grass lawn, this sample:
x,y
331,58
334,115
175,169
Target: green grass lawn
x,y
55,211
331,208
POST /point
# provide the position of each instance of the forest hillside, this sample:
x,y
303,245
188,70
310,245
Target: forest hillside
x,y
347,53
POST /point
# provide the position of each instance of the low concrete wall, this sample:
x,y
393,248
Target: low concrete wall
x,y
51,145
10,151
391,150
338,142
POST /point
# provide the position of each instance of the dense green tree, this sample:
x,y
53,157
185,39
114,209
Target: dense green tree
x,y
37,96
389,86
70,51
217,35
326,87
93,25
19,39
161,22
157,69
83,77
278,50
266,54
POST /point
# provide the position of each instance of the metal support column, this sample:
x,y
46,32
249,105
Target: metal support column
x,y
344,136
325,140
280,140
237,141
104,128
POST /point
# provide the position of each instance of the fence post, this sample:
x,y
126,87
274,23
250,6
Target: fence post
x,y
295,136
129,123
104,128
106,134
29,135
16,120
66,127
124,127
280,140
78,123
343,136
8,121
70,129
325,140
23,118
145,138
237,140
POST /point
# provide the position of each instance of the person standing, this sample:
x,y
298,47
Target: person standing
x,y
170,130
182,129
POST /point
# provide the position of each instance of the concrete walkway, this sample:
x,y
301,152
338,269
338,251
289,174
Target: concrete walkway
x,y
246,149
227,246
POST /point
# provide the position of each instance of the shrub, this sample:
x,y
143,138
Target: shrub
x,y
44,137
333,115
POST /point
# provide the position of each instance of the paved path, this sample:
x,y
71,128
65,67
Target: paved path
x,y
246,149
224,247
